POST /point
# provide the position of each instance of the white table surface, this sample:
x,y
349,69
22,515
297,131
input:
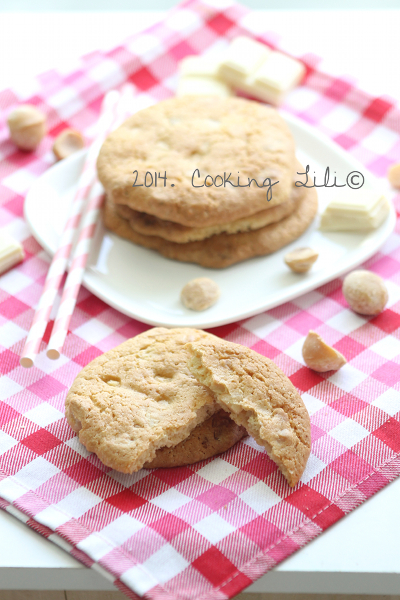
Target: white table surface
x,y
361,553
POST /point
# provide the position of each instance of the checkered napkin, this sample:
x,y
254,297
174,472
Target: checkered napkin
x,y
211,529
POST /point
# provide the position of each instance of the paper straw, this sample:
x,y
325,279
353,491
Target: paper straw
x,y
76,272
60,259
82,248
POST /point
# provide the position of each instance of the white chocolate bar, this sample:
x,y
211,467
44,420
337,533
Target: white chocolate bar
x,y
202,86
199,66
265,74
242,58
279,72
246,65
263,92
11,251
355,211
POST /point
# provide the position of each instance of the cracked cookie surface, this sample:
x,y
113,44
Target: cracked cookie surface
x,y
139,397
216,136
259,397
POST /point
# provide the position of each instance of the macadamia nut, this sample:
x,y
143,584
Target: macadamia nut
x,y
393,175
319,356
68,142
301,260
27,126
365,292
200,294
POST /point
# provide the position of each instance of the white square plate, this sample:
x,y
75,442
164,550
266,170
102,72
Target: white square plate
x,y
144,285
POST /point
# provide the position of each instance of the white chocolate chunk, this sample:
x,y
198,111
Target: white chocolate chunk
x,y
11,251
199,66
263,92
355,210
357,202
242,57
280,73
202,86
265,74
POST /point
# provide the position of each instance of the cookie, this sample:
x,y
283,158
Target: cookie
x,y
258,397
225,249
139,397
216,136
174,232
214,436
168,230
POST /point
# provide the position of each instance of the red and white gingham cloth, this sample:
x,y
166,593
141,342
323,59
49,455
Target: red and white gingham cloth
x,y
209,530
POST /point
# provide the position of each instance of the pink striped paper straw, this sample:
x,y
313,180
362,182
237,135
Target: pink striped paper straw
x,y
59,263
82,248
76,271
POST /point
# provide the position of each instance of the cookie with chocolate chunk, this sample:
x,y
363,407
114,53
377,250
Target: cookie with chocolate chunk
x,y
188,138
259,397
225,249
139,397
175,232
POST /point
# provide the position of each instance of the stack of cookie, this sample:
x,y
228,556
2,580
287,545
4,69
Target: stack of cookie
x,y
173,397
205,179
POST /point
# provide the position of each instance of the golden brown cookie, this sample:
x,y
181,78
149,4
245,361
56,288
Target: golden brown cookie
x,y
258,397
139,397
174,232
225,249
214,436
217,136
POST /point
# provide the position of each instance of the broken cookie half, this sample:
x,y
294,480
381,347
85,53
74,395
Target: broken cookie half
x,y
139,397
259,397
139,405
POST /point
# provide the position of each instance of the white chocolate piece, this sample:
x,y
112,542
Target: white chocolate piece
x,y
198,76
242,58
113,383
265,74
356,210
264,93
279,73
202,86
199,66
11,251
